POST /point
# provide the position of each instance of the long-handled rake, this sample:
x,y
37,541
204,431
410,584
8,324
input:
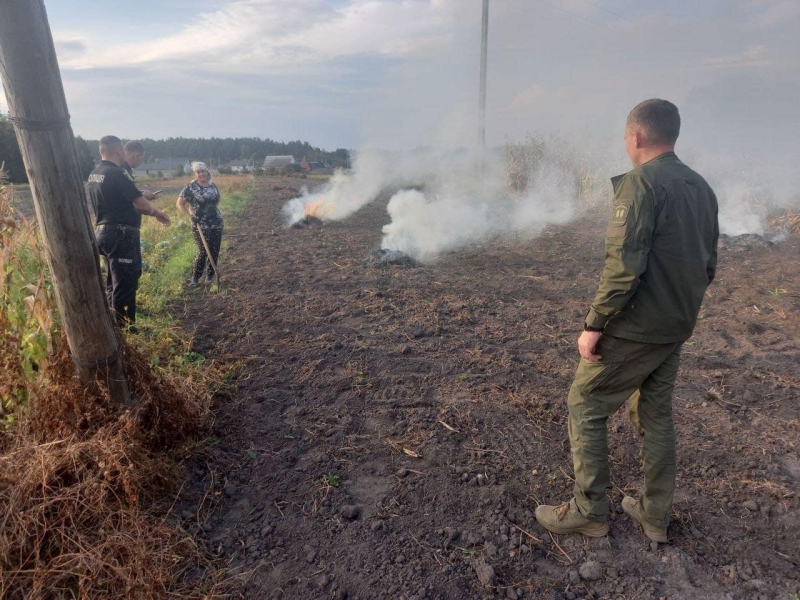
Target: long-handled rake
x,y
208,255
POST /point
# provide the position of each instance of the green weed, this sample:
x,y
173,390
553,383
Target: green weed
x,y
167,253
331,480
28,319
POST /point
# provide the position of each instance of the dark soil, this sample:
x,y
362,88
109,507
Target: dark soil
x,y
394,427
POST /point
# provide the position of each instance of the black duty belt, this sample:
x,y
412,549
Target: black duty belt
x,y
119,226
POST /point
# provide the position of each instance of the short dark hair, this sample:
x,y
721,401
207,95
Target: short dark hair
x,y
134,147
659,119
108,143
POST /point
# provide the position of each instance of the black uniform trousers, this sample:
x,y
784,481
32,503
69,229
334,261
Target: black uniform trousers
x,y
119,245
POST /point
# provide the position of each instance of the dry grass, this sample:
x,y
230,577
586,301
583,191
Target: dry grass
x,y
233,184
86,487
83,489
524,160
788,222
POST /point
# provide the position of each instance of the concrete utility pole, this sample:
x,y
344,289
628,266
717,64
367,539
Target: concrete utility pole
x,y
38,109
482,100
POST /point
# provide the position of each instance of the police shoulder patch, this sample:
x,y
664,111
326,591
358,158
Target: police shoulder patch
x,y
619,215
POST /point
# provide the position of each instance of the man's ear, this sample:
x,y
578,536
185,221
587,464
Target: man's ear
x,y
640,138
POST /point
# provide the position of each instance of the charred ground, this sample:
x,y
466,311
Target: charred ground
x,y
395,426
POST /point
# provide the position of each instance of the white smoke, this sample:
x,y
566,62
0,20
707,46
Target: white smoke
x,y
462,210
373,171
423,227
740,209
749,191
345,193
459,196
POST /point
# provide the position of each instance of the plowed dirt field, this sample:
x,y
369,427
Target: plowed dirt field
x,y
394,427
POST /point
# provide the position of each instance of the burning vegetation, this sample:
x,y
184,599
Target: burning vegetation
x,y
382,257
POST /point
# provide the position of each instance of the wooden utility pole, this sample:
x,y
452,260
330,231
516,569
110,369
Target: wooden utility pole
x,y
38,110
482,95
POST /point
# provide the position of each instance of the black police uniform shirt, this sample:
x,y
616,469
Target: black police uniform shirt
x,y
128,171
112,193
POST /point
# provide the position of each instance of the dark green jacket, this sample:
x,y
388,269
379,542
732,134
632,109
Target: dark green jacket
x,y
661,253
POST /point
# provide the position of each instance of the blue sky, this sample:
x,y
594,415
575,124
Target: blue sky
x,y
404,73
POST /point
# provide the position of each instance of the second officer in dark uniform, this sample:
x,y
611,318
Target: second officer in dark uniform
x,y
118,207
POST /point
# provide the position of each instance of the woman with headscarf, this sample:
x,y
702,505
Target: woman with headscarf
x,y
200,202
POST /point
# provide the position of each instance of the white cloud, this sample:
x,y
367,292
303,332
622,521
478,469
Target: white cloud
x,y
775,12
258,36
403,73
70,46
754,56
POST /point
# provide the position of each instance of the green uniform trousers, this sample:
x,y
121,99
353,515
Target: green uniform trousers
x,y
598,391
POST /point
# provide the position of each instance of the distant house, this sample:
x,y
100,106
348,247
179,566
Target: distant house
x,y
240,166
167,166
276,162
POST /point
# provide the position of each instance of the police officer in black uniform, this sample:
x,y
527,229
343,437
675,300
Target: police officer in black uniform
x,y
118,207
134,156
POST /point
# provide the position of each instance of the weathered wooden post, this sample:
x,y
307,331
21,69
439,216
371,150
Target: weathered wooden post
x,y
38,110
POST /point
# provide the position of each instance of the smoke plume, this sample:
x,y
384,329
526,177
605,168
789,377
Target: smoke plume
x,y
344,194
750,193
454,213
452,198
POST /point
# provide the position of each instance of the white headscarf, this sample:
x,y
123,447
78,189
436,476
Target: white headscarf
x,y
201,166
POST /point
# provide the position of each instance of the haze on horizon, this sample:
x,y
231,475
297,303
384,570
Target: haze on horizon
x,y
398,74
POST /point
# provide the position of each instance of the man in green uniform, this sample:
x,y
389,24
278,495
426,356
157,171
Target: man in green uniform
x,y
661,255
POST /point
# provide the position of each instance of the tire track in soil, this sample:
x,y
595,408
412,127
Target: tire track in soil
x,y
349,374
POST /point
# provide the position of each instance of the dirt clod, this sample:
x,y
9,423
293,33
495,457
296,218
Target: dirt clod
x,y
452,534
485,572
350,511
591,570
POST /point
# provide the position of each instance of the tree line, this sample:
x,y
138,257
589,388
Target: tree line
x,y
11,157
218,152
215,152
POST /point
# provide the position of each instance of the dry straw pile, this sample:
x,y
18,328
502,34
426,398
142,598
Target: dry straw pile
x,y
788,222
86,487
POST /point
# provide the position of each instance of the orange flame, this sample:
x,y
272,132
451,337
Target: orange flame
x,y
318,209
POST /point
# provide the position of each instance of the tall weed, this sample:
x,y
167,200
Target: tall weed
x,y
27,307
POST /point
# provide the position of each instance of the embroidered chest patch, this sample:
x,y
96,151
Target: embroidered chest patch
x,y
619,216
